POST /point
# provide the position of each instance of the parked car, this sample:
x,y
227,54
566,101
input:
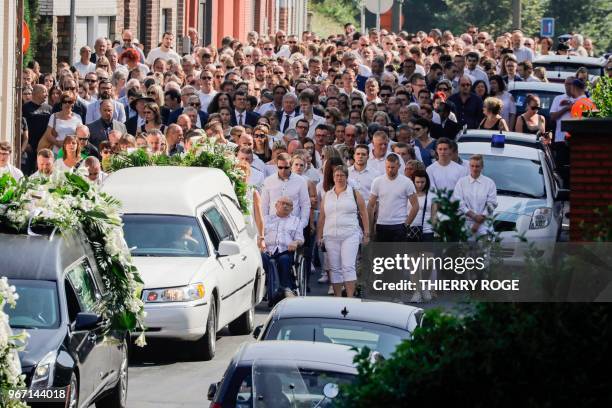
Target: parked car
x,y
201,269
284,374
69,345
529,194
546,91
380,326
559,67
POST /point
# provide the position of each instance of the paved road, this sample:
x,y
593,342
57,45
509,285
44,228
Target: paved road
x,y
164,375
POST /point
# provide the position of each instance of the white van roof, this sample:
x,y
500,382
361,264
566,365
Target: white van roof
x,y
166,189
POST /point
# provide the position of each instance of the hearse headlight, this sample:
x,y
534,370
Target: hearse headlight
x,y
541,218
178,294
43,373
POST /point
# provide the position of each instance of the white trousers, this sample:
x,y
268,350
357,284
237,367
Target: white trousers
x,y
341,257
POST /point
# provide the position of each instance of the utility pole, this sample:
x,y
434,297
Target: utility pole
x,y
516,15
362,8
397,15
72,30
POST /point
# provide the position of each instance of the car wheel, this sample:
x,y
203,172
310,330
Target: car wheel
x,y
73,401
204,348
117,398
245,323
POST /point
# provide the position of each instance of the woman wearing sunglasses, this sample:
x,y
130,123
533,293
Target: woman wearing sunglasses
x,y
531,122
262,144
61,124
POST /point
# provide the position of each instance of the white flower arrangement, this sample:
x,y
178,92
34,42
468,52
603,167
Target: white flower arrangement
x,y
69,203
10,369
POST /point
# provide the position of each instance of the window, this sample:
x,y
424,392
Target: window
x,y
164,235
234,212
37,307
218,227
166,20
82,282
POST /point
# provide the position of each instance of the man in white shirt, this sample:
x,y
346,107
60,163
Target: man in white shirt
x,y
5,166
95,175
206,92
560,108
380,151
360,174
348,85
444,173
306,100
282,235
477,195
282,184
44,163
472,69
84,65
391,193
165,51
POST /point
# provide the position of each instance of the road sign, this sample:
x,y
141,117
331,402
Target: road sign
x,y
547,27
26,37
379,6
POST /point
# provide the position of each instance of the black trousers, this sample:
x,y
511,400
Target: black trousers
x,y
391,233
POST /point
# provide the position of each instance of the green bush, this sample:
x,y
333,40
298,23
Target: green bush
x,y
500,355
343,11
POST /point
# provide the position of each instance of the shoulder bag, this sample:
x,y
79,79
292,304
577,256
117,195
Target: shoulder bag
x,y
415,233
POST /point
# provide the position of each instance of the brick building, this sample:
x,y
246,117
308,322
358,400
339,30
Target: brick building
x,y
149,19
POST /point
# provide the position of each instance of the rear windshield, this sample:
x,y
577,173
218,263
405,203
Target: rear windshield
x,y
569,67
546,99
377,337
164,235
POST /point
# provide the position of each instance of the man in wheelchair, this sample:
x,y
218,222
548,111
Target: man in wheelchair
x,y
283,235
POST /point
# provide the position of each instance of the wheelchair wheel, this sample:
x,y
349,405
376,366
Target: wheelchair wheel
x,y
301,276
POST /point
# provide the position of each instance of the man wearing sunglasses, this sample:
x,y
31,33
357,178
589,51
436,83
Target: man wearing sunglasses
x,y
286,184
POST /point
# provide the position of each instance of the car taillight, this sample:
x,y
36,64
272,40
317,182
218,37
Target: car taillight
x,y
215,405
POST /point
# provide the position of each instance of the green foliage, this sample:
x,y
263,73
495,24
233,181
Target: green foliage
x,y
343,11
450,226
601,95
602,231
592,18
500,355
208,155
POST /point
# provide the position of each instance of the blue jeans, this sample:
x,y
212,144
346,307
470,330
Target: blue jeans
x,y
284,260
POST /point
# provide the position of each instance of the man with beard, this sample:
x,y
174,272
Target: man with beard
x,y
105,89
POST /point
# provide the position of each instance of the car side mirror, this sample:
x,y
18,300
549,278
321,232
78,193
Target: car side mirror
x,y
228,248
212,391
87,321
563,194
257,331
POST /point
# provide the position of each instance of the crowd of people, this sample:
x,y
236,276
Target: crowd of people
x,y
343,139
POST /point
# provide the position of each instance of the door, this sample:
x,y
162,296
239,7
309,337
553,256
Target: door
x,y
92,354
219,230
250,256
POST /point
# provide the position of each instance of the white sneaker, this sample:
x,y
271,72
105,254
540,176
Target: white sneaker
x,y
323,279
426,295
330,291
416,298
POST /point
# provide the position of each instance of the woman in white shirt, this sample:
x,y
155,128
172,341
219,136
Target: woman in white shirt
x,y
339,231
62,123
71,157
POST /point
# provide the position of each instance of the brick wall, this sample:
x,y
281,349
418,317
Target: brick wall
x,y
130,16
283,17
62,38
152,30
180,24
591,179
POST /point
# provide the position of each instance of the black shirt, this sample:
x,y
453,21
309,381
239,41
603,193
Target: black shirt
x,y
37,118
469,112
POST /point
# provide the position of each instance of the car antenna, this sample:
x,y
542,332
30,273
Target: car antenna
x,y
344,312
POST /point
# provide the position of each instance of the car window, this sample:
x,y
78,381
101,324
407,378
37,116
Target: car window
x,y
37,307
377,337
244,396
82,282
546,99
219,225
164,235
568,67
234,212
514,176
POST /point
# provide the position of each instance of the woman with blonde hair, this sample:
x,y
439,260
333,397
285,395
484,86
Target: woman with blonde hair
x,y
493,120
369,110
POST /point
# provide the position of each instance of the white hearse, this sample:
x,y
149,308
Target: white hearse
x,y
201,268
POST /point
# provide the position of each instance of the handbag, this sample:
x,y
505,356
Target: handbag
x,y
415,233
44,142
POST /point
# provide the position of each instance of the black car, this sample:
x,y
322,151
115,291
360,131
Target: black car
x,y
59,291
353,322
284,374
